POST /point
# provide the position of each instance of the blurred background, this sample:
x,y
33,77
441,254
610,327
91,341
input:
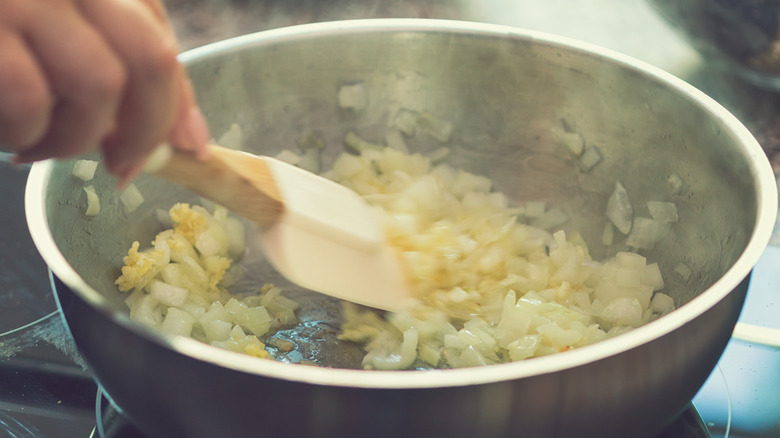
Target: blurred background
x,y
683,37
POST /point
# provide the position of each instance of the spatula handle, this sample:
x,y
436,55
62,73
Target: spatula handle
x,y
239,181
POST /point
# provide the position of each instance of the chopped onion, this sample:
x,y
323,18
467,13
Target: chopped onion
x,y
177,322
491,287
310,160
663,211
590,158
535,209
93,201
168,294
437,128
357,144
676,184
608,235
645,233
84,169
439,154
131,198
683,271
288,157
573,142
233,138
551,219
353,96
395,140
179,284
406,122
619,209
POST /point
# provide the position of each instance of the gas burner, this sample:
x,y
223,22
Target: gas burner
x,y
26,291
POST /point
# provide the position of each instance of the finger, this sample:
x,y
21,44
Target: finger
x,y
84,75
25,98
190,131
150,103
159,10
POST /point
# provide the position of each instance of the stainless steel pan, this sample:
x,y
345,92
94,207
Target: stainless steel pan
x,y
507,91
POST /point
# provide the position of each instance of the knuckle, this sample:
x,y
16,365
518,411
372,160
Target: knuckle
x,y
161,60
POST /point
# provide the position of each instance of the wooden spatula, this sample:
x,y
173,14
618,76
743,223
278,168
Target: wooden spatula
x,y
317,233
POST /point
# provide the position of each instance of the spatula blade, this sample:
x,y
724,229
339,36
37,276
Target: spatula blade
x,y
330,240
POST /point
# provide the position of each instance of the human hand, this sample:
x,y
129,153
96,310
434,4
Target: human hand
x,y
78,75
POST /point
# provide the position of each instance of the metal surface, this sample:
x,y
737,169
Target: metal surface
x,y
505,90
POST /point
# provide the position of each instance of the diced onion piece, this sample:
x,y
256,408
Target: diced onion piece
x,y
93,202
652,276
255,319
645,233
236,237
676,184
573,142
84,169
624,311
216,329
590,158
213,241
216,312
177,322
535,209
619,209
233,138
466,182
287,318
146,310
429,354
524,347
163,217
310,160
439,154
559,336
347,166
234,306
683,271
608,235
131,198
406,122
288,157
357,144
168,294
353,96
630,260
311,140
662,303
437,128
395,140
663,211
551,219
